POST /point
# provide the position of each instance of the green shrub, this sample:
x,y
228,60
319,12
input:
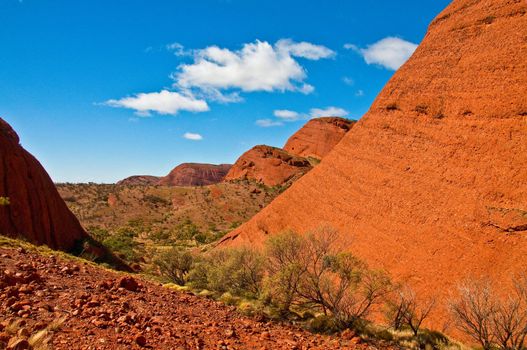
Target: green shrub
x,y
237,271
123,243
175,264
4,201
323,324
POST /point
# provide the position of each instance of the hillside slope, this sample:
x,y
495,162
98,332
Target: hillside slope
x,y
432,182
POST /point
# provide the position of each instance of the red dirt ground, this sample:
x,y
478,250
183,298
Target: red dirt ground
x,y
105,310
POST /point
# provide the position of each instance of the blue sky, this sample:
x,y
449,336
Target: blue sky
x,y
100,90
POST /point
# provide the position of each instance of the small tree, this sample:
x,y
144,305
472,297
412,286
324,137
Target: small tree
x,y
175,264
286,267
4,201
510,317
411,311
474,311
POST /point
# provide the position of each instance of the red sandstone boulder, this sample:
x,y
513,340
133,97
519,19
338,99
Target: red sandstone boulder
x,y
318,136
268,165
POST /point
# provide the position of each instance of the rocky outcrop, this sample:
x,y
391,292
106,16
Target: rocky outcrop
x,y
268,165
34,211
139,180
195,174
431,185
318,136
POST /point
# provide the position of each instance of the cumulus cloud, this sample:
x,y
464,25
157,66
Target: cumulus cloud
x,y
257,66
390,52
163,102
192,136
303,49
288,115
267,123
328,112
221,75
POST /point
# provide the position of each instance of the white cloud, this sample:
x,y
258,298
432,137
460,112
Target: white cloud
x,y
267,123
178,49
328,112
288,115
390,52
348,81
192,136
359,93
163,102
257,66
303,49
220,75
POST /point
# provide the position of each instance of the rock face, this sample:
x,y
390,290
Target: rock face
x,y
268,165
318,136
35,211
139,180
432,182
195,174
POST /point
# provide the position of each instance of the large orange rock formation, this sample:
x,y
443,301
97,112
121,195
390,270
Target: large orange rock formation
x,y
195,174
268,165
318,137
35,211
431,184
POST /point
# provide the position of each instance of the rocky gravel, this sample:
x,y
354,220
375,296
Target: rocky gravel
x,y
82,306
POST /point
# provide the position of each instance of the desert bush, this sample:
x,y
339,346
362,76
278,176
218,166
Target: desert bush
x,y
122,242
406,310
187,230
286,266
491,320
175,264
315,273
4,201
323,324
238,271
155,200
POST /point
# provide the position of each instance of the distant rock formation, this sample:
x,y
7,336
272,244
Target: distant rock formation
x,y
195,174
35,211
139,180
318,136
268,165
